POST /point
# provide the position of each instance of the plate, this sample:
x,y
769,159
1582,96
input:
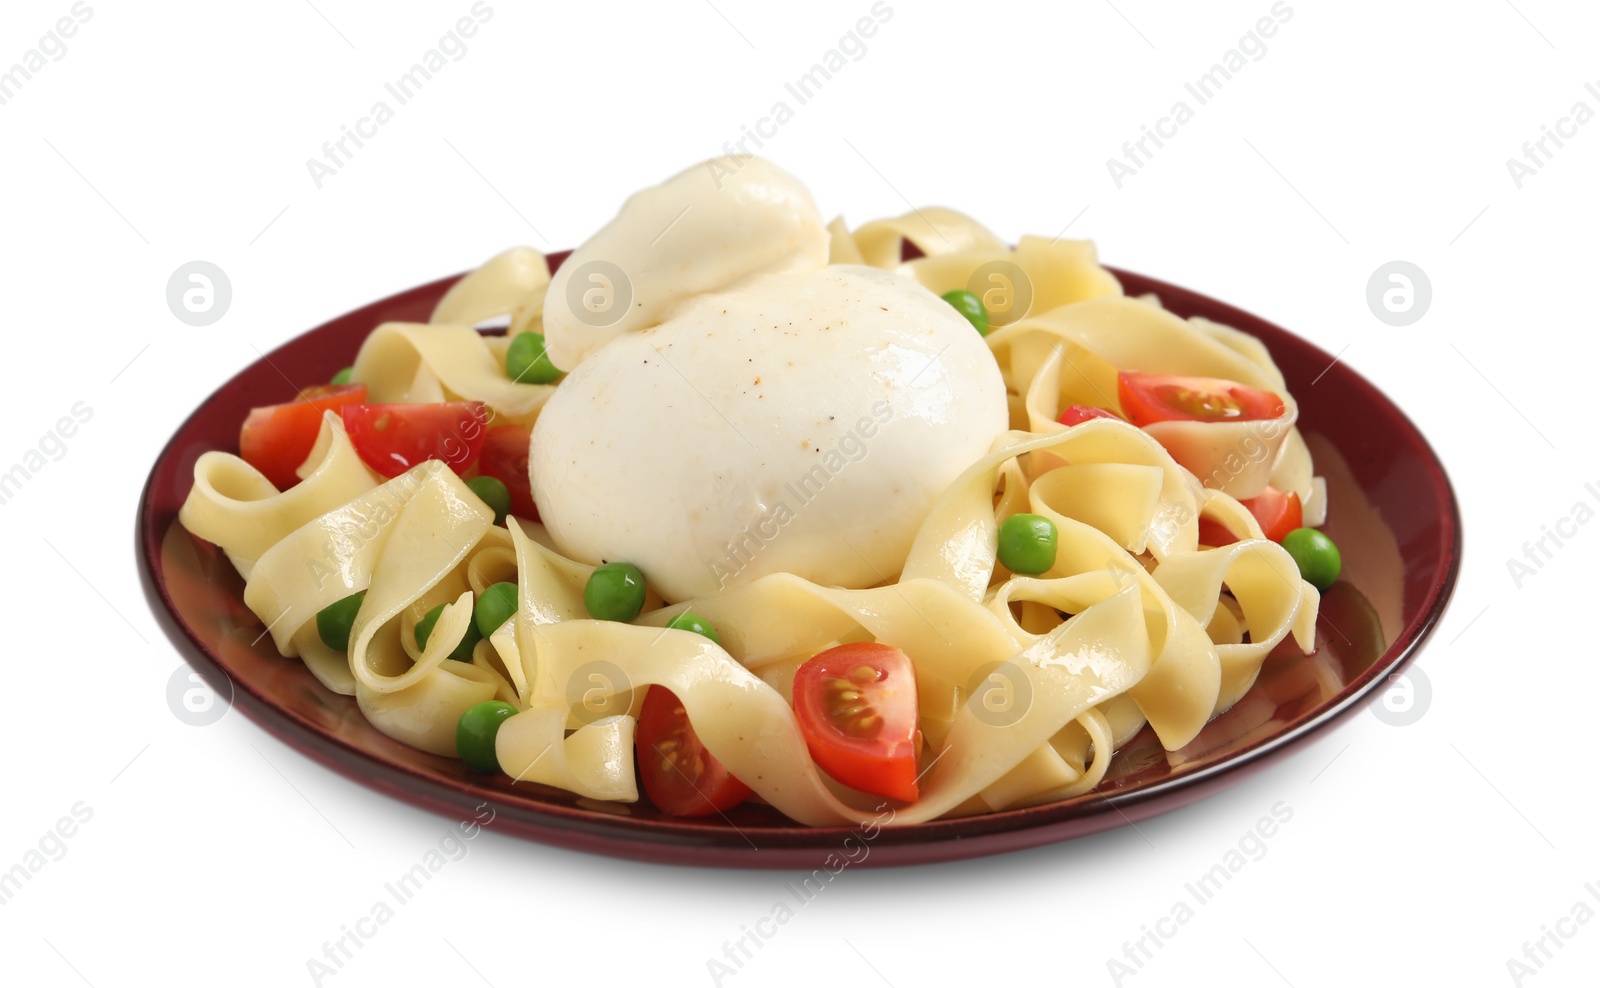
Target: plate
x,y
1393,514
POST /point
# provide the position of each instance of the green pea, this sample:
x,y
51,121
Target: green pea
x,y
343,377
495,494
475,733
615,592
1316,555
1027,544
495,605
334,621
970,306
463,650
690,621
528,362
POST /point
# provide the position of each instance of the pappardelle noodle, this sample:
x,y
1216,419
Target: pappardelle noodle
x,y
967,521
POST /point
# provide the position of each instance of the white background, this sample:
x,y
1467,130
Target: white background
x,y
1368,132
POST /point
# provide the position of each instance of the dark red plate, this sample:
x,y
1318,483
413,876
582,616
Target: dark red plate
x,y
1393,515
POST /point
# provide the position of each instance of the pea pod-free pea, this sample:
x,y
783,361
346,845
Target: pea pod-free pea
x,y
495,494
690,621
1316,555
335,620
972,307
1027,544
527,361
615,592
463,650
475,734
494,607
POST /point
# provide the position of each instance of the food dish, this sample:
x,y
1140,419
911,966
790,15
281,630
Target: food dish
x,y
1082,430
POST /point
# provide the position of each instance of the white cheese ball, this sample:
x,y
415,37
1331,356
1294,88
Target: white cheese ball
x,y
801,422
701,230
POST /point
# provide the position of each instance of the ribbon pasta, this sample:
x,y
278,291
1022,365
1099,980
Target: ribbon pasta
x,y
1134,624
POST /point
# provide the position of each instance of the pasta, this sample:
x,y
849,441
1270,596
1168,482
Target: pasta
x,y
1135,621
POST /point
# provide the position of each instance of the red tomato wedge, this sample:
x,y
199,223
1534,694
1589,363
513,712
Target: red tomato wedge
x,y
857,707
679,775
1279,513
276,439
505,458
1276,512
1215,534
1148,398
394,438
1078,414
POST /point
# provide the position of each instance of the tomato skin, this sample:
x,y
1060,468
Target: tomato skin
x,y
666,751
1277,513
1149,398
867,741
276,439
505,458
1215,534
392,439
1078,414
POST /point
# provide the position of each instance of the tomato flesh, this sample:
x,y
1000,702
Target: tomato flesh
x,y
276,439
857,707
392,439
1149,398
1215,534
1078,414
505,458
679,775
1278,513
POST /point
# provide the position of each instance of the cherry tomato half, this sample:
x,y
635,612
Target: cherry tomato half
x,y
679,775
505,458
394,438
1078,414
276,439
857,707
1148,398
1277,513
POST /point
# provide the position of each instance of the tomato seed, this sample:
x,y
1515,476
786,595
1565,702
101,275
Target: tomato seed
x,y
863,674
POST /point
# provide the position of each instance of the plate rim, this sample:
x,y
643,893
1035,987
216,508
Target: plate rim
x,y
794,845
